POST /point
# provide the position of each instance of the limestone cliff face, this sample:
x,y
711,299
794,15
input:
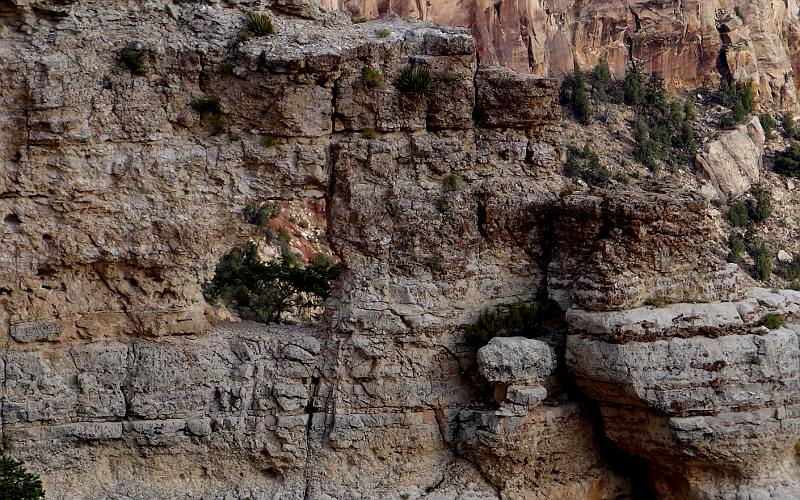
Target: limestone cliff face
x,y
117,200
691,43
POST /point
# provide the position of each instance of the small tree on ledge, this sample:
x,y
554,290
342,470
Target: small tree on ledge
x,y
16,483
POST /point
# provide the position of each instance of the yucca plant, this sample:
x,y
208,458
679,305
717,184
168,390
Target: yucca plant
x,y
416,79
259,24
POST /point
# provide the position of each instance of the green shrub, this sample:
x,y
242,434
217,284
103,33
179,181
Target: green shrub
x,y
790,271
787,162
209,107
585,163
358,19
451,182
760,208
737,214
269,141
416,80
601,79
736,245
657,301
266,291
227,68
434,263
134,56
645,149
372,77
383,33
527,319
16,483
259,24
772,321
788,125
689,110
737,98
259,214
442,205
574,93
768,124
763,259
633,89
581,105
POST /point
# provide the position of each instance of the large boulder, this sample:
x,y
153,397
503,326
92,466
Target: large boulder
x,y
516,359
733,162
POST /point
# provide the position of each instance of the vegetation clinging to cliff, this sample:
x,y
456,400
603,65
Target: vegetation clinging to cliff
x,y
663,129
267,291
787,162
527,319
416,80
16,483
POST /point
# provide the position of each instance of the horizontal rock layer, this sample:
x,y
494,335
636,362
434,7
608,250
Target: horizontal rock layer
x,y
118,199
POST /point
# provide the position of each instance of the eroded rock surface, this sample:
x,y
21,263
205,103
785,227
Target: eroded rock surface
x,y
118,199
733,162
707,410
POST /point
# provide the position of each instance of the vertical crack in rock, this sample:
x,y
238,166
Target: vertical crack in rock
x,y
309,411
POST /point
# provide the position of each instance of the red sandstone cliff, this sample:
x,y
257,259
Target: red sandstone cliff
x,y
690,42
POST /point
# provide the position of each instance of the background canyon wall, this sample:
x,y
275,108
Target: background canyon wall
x,y
691,43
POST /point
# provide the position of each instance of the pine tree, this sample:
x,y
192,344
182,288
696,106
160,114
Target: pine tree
x,y
16,483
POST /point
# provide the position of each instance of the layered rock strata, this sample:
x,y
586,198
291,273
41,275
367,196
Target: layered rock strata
x,y
117,201
714,414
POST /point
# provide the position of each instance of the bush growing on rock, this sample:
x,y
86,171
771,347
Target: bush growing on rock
x,y
788,125
767,124
574,93
772,321
266,292
451,182
372,77
737,214
526,319
633,89
787,162
763,261
259,214
736,245
739,99
259,24
760,208
16,483
416,80
585,163
601,80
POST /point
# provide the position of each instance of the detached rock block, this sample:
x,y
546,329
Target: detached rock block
x,y
733,162
506,98
516,359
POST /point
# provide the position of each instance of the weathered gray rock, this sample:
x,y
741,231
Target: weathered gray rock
x,y
663,400
733,162
507,99
516,359
32,331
